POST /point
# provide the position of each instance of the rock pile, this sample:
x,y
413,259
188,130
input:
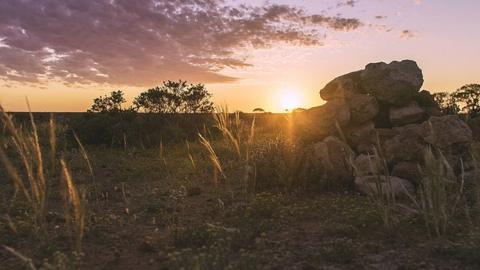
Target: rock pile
x,y
379,110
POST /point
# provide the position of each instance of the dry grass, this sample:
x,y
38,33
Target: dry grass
x,y
28,174
75,208
439,193
22,155
215,161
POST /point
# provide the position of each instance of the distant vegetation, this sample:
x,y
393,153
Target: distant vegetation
x,y
171,97
466,99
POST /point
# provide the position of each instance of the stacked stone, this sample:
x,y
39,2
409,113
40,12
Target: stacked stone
x,y
380,108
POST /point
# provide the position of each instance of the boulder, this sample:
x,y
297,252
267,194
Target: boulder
x,y
412,113
319,122
342,87
370,185
365,164
333,157
474,125
447,131
425,99
363,108
395,83
407,170
408,144
358,136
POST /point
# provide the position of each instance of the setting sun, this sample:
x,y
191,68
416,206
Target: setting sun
x,y
289,100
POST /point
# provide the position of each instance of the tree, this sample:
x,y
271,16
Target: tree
x,y
446,103
259,110
173,97
469,96
196,99
112,103
153,100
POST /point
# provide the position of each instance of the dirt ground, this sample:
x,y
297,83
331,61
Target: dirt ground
x,y
151,211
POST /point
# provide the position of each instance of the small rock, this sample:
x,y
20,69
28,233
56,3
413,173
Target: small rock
x,y
409,114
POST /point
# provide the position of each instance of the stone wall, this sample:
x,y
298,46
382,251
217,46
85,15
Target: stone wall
x,y
380,110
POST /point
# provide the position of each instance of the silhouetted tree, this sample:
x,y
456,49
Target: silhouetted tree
x,y
446,102
112,103
196,99
153,100
468,96
259,110
173,97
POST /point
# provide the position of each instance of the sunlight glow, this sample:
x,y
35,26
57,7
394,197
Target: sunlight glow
x,y
289,100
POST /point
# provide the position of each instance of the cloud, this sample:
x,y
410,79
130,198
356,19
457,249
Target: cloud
x,y
350,3
407,34
142,42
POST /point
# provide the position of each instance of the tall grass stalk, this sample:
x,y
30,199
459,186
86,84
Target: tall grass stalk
x,y
217,167
27,261
32,181
190,156
230,128
84,154
74,209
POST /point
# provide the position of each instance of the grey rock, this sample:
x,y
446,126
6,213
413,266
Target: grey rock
x,y
407,170
342,87
358,136
412,113
365,164
319,122
447,131
363,108
333,157
395,83
408,144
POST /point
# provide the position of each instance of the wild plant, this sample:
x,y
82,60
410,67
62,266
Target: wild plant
x,y
74,207
380,190
439,192
28,173
22,156
236,134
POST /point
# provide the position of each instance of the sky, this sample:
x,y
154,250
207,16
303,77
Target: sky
x,y
276,55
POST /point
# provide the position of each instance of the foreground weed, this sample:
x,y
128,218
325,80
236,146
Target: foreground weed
x,y
29,177
217,167
439,193
74,210
381,191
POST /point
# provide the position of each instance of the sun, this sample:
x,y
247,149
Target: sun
x,y
289,100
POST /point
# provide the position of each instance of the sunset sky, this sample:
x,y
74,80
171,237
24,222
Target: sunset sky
x,y
63,53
